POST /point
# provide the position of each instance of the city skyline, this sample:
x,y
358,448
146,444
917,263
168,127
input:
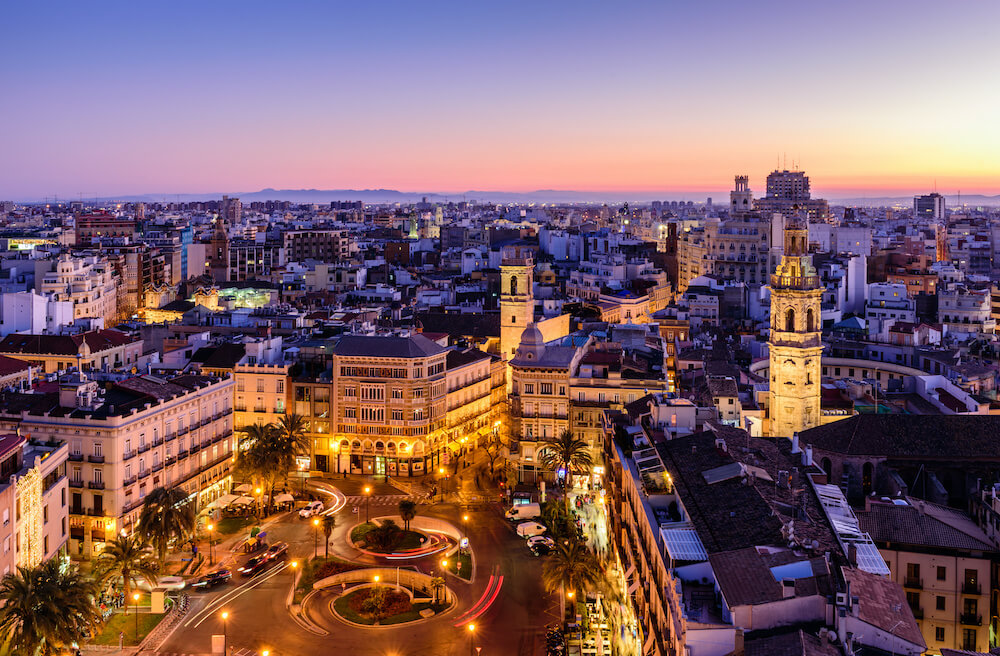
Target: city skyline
x,y
658,101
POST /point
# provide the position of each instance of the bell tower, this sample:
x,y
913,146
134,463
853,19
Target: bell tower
x,y
795,345
517,301
740,198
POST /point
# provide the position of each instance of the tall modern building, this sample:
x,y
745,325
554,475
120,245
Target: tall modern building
x,y
929,206
231,210
795,345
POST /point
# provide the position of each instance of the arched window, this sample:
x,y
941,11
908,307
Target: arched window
x,y
810,320
513,285
790,320
345,445
866,478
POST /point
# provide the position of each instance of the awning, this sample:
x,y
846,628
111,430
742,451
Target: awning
x,y
284,498
243,501
243,488
684,544
223,501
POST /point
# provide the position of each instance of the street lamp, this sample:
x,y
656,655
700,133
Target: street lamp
x,y
472,637
211,544
225,634
368,498
444,566
265,652
260,502
135,598
315,538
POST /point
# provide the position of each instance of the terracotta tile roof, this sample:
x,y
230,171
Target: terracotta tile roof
x,y
10,366
97,340
909,526
909,436
883,604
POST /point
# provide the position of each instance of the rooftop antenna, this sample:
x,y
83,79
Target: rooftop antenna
x,y
784,161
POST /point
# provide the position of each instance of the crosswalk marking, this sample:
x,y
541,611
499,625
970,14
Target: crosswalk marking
x,y
381,499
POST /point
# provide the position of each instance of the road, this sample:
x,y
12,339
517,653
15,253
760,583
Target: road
x,y
512,626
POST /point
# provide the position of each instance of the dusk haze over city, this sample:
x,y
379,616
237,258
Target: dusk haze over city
x,y
500,328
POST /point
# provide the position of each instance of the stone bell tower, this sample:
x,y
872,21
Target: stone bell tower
x,y
517,300
795,345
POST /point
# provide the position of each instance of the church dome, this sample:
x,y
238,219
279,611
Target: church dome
x,y
532,345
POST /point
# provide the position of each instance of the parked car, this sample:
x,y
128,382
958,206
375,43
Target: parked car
x,y
542,539
277,550
530,529
170,583
212,579
524,511
255,564
540,549
314,508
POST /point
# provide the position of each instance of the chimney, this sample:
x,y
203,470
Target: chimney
x,y
852,556
807,456
795,442
920,507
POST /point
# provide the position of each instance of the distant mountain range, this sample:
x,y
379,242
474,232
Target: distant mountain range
x,y
539,196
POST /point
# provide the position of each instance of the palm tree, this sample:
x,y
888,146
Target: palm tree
x,y
125,557
46,608
567,451
407,511
329,522
254,460
572,567
437,583
166,514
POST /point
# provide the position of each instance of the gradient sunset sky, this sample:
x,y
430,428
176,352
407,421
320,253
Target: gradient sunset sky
x,y
191,97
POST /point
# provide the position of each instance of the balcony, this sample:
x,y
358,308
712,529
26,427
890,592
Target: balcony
x,y
143,448
172,436
913,582
96,485
971,619
77,510
971,588
129,481
95,512
144,473
75,482
75,457
95,458
158,441
918,613
170,460
182,454
158,466
129,454
195,448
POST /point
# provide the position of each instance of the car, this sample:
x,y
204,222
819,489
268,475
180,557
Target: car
x,y
540,549
277,550
541,539
212,579
169,583
255,564
313,508
530,529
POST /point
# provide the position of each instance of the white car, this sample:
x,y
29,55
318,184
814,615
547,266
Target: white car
x,y
314,508
541,539
530,529
169,583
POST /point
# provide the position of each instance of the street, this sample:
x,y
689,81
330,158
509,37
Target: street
x,y
258,619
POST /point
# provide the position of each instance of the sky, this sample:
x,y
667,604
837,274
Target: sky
x,y
868,97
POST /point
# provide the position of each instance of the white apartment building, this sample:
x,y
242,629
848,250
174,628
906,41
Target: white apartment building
x,y
124,441
89,283
33,501
261,383
888,303
965,313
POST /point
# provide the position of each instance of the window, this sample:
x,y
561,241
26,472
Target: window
x,y
939,602
939,633
941,573
98,449
545,388
397,393
969,639
397,415
351,413
241,385
260,384
280,386
418,392
971,582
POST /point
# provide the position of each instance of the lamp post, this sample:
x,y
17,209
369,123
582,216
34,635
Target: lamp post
x,y
368,498
444,567
442,479
211,544
472,638
260,503
315,538
135,599
225,634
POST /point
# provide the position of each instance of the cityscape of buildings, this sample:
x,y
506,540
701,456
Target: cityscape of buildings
x,y
789,407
